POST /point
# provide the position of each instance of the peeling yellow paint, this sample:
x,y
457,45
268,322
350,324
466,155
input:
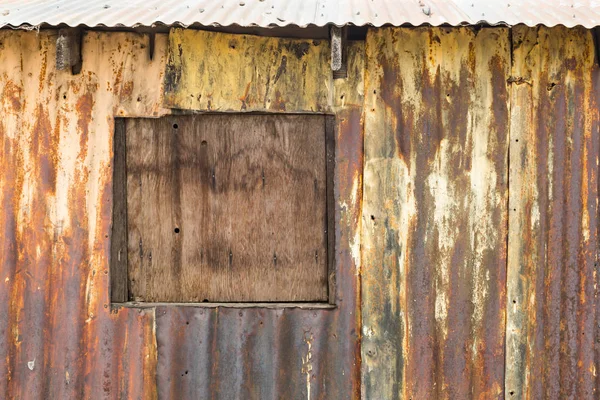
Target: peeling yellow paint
x,y
434,211
224,72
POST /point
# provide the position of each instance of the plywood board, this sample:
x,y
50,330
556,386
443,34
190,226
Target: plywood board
x,y
227,208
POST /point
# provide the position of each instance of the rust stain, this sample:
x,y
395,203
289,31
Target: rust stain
x,y
127,90
200,62
12,93
60,337
421,251
84,108
434,213
245,99
553,230
278,104
44,147
43,69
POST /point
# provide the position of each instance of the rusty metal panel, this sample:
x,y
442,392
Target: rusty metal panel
x,y
225,72
281,353
304,13
434,213
552,319
58,337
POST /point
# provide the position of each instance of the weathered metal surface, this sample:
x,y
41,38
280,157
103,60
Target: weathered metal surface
x,y
304,13
270,74
434,213
58,337
552,320
230,353
437,216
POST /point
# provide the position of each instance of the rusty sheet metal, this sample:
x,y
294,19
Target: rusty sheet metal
x,y
270,13
230,353
271,74
434,213
58,337
553,312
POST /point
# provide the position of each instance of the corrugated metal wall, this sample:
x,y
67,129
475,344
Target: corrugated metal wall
x,y
480,214
434,229
479,227
553,338
273,354
58,337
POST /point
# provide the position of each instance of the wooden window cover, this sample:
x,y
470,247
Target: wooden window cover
x,y
223,208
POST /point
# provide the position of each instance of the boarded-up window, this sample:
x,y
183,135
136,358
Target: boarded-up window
x,y
222,208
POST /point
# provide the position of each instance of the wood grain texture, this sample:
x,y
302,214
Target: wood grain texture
x,y
227,208
118,243
330,211
434,213
212,71
552,319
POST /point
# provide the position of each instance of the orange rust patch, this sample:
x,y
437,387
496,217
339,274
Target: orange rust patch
x,y
44,147
119,74
279,103
84,113
12,93
245,99
127,90
42,75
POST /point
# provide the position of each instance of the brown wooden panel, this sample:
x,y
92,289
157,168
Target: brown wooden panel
x,y
227,208
118,249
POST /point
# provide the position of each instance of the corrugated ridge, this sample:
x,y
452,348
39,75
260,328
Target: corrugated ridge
x,y
301,13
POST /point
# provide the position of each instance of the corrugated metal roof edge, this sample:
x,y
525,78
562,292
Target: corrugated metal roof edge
x,y
159,24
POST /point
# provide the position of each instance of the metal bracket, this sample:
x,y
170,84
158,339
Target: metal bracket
x,y
68,50
151,45
596,37
338,52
